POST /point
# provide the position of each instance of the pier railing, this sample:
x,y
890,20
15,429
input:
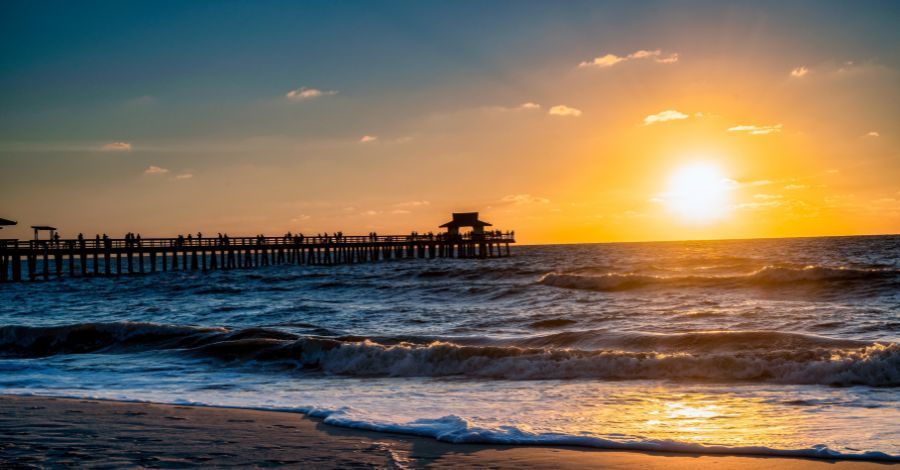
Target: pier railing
x,y
104,256
192,241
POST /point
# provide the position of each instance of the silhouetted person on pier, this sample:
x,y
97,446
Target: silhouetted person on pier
x,y
81,240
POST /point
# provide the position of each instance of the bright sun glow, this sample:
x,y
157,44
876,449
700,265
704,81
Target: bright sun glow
x,y
698,193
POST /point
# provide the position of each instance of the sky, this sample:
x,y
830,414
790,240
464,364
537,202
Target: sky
x,y
564,121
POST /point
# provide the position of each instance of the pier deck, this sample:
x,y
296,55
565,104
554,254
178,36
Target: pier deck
x,y
31,260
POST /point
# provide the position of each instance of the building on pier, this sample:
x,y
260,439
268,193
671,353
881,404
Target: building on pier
x,y
465,219
43,228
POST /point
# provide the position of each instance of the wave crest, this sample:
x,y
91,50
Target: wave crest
x,y
709,356
875,365
769,276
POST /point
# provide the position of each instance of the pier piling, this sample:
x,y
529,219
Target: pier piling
x,y
60,258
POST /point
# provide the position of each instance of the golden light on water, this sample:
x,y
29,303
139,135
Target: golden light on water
x,y
695,417
698,192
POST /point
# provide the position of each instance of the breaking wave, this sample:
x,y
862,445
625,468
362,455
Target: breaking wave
x,y
711,356
769,276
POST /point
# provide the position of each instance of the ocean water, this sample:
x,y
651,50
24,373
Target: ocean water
x,y
773,347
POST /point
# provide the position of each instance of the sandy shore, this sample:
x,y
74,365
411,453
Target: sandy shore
x,y
48,432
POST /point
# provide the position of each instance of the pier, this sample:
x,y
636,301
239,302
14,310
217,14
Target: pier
x,y
32,260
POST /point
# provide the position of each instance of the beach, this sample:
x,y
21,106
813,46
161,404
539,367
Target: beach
x,y
44,431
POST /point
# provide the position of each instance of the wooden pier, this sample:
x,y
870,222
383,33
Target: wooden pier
x,y
32,260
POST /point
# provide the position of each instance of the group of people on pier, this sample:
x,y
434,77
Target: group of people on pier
x,y
133,240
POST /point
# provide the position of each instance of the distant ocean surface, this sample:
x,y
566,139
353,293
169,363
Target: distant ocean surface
x,y
771,347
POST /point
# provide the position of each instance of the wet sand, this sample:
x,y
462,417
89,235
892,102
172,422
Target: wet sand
x,y
37,432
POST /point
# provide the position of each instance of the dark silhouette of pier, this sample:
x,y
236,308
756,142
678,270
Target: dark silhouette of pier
x,y
23,260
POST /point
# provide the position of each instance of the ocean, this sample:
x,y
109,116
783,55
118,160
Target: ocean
x,y
764,347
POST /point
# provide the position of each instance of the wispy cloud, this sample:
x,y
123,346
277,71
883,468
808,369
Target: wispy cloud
x,y
526,106
118,146
184,176
663,116
304,93
795,187
608,60
757,130
141,101
155,170
756,206
565,111
872,134
412,204
524,199
368,139
799,72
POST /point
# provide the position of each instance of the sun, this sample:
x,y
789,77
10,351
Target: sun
x,y
698,192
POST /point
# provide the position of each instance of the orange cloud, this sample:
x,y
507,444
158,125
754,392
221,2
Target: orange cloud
x,y
663,116
608,60
155,170
118,146
565,111
756,130
799,72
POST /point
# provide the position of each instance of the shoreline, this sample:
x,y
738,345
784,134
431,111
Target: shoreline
x,y
50,431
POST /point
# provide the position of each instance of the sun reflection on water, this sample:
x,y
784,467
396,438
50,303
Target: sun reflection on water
x,y
694,417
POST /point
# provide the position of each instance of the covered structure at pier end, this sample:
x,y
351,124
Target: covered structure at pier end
x,y
465,219
43,228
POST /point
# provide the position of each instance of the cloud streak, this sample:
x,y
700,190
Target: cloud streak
x,y
118,146
564,111
663,116
609,60
520,199
155,170
305,94
756,130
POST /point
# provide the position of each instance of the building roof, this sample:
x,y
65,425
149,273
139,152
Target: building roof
x,y
465,219
43,227
7,222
